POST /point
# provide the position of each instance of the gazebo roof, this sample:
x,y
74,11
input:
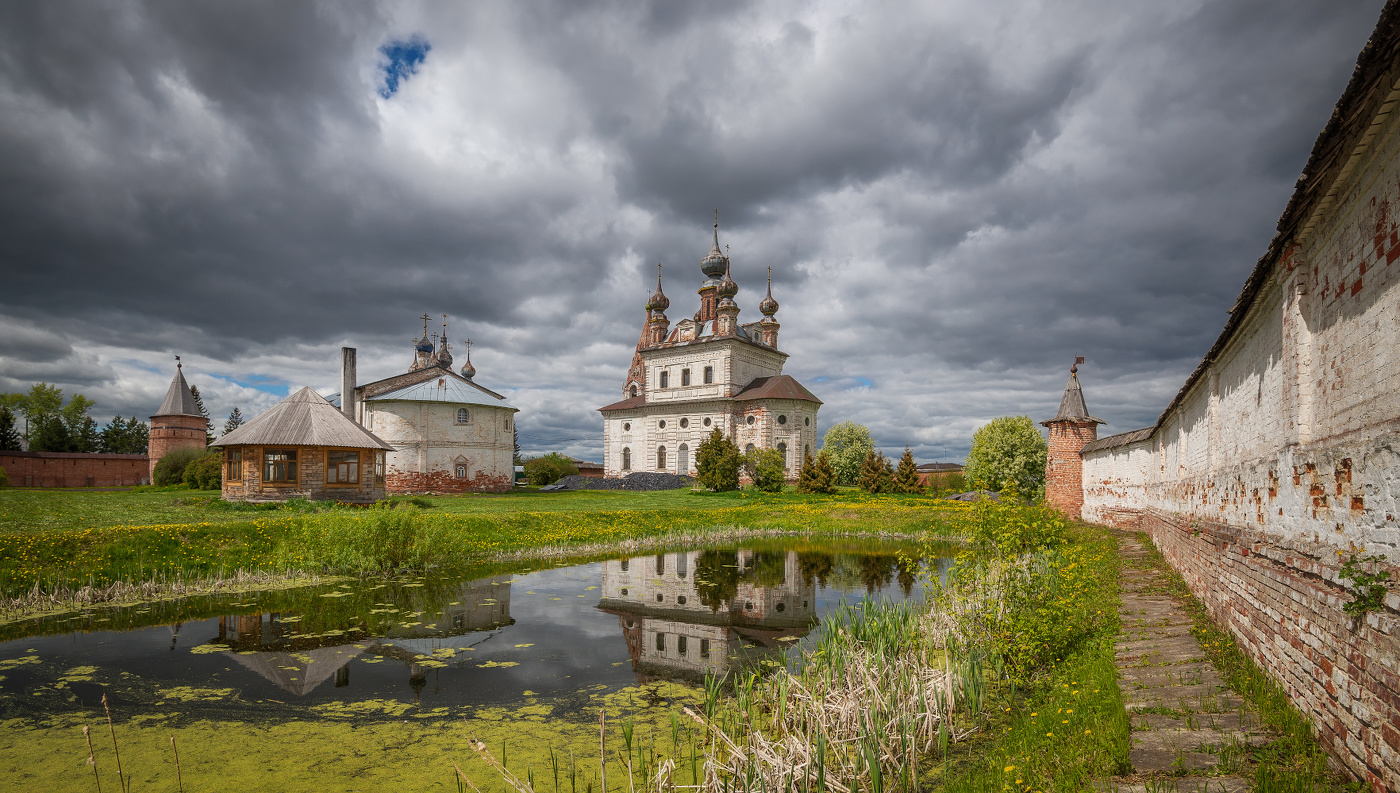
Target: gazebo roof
x,y
303,419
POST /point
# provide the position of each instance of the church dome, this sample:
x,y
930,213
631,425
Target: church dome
x,y
727,287
425,346
444,358
658,300
714,263
768,305
468,371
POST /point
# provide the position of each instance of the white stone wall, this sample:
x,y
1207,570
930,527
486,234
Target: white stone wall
x,y
1295,427
429,441
640,431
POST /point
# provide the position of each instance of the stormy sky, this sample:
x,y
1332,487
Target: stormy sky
x,y
956,197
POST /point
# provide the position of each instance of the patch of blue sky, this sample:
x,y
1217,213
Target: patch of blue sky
x,y
845,383
257,382
402,57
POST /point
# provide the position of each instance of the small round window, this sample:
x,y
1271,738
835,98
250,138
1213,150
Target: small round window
x,y
751,419
662,424
627,427
782,419
706,422
685,423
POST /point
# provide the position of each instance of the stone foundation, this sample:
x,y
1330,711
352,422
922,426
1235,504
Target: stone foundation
x,y
444,482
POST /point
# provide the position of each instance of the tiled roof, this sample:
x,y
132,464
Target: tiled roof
x,y
446,387
178,399
303,419
1114,441
778,387
629,403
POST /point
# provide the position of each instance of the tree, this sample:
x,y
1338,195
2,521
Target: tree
x,y
823,478
549,468
906,480
766,469
515,436
717,462
847,444
1008,449
124,436
806,476
874,473
208,422
48,433
234,421
9,436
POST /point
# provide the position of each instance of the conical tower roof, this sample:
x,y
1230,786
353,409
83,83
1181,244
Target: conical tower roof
x,y
303,419
178,399
1072,407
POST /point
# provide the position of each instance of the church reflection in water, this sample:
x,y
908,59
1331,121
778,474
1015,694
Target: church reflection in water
x,y
297,658
686,615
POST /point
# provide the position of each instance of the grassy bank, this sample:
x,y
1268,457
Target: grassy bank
x,y
64,560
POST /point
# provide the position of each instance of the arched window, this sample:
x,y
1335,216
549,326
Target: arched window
x,y
782,449
626,461
661,458
683,460
461,472
748,449
634,390
463,416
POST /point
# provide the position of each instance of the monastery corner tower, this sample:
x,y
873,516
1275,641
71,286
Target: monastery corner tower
x,y
709,371
1070,430
178,423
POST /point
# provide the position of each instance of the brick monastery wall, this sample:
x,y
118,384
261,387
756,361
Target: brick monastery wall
x,y
57,469
1284,453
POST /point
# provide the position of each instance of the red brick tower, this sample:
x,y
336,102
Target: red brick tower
x,y
178,424
1070,430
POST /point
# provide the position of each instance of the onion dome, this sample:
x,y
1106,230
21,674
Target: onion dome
x,y
727,288
768,305
443,357
469,371
658,300
714,263
424,346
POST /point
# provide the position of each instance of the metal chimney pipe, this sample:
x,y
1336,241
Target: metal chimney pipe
x,y
347,382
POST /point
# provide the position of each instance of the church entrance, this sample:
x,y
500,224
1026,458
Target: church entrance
x,y
683,460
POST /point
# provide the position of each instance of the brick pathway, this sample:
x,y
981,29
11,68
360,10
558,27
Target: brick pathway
x,y
1182,712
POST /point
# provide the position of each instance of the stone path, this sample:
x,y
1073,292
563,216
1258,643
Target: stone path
x,y
1182,713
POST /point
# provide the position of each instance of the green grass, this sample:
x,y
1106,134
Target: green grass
x,y
63,541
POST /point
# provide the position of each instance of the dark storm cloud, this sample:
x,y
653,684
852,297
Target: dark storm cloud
x,y
955,199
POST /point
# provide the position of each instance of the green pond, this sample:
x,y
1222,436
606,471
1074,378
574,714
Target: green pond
x,y
356,685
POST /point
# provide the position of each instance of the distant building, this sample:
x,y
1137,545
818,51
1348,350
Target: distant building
x,y
303,448
449,434
710,371
178,424
934,472
587,468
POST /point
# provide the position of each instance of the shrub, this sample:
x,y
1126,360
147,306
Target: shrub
x,y
948,481
766,467
205,473
806,477
847,444
170,469
717,462
823,478
1008,449
548,469
906,479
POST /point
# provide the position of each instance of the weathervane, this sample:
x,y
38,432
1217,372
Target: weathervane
x,y
1078,359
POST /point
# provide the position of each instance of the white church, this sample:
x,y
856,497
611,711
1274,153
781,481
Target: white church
x,y
708,371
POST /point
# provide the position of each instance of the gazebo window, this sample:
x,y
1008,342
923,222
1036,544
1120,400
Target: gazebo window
x,y
342,468
235,465
379,468
464,416
280,466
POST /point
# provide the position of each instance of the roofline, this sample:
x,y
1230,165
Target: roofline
x,y
710,340
428,369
